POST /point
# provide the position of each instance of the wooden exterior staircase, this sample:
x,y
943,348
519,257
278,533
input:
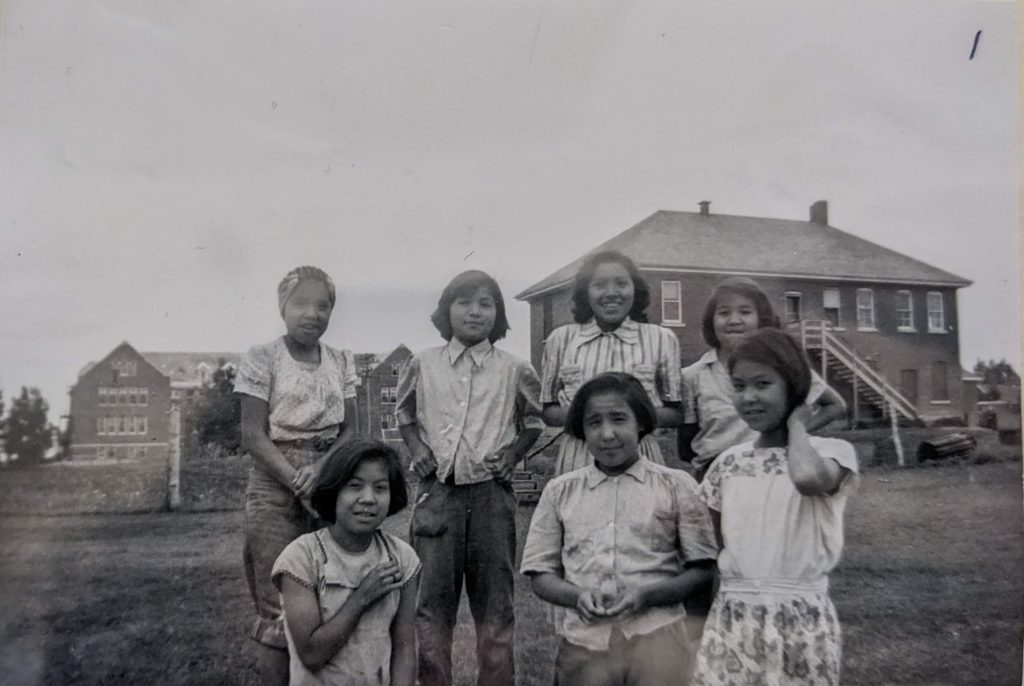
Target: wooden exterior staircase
x,y
839,361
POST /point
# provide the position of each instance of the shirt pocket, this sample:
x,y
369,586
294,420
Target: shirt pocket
x,y
571,377
580,542
646,374
661,531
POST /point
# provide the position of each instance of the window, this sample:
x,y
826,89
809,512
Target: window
x,y
387,420
936,313
671,302
940,382
111,423
830,305
102,394
122,396
904,311
133,396
793,307
101,427
143,426
125,367
138,425
388,394
143,396
396,367
865,309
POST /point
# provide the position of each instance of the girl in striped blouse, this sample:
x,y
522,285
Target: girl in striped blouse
x,y
611,334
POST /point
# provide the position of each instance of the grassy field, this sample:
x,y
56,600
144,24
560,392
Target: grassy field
x,y
930,591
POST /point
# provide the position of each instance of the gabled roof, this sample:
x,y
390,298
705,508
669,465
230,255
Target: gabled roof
x,y
756,246
184,366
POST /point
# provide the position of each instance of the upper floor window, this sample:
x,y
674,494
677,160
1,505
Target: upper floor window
x,y
794,308
671,302
904,311
830,305
388,421
396,367
388,394
102,393
865,309
936,313
143,396
122,396
101,426
125,367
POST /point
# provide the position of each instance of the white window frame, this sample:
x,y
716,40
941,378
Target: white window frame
x,y
940,311
396,368
111,426
678,301
144,396
101,394
101,426
145,426
122,396
905,328
870,308
838,308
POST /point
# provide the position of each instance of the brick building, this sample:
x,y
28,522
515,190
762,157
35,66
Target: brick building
x,y
378,392
882,326
120,406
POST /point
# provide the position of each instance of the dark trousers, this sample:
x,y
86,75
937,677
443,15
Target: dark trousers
x,y
465,532
660,658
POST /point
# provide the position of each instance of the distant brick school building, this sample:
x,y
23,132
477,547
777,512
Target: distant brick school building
x,y
120,406
882,325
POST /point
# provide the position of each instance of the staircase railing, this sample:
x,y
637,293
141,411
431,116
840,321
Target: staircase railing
x,y
817,335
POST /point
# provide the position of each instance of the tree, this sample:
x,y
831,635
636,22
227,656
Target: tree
x,y
28,434
994,374
215,412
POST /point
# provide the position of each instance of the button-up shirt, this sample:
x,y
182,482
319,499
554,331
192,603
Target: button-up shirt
x,y
468,403
605,534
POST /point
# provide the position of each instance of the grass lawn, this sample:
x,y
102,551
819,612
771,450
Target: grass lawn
x,y
930,590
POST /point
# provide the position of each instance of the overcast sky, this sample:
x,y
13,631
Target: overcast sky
x,y
163,164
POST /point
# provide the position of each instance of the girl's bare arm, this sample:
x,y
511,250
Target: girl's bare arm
x,y
811,473
829,407
256,440
403,636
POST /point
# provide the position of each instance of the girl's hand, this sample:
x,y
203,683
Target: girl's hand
x,y
423,463
588,604
378,583
630,602
302,482
801,415
502,463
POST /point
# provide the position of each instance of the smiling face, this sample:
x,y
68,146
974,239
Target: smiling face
x,y
472,316
761,397
308,312
611,432
735,318
610,293
363,501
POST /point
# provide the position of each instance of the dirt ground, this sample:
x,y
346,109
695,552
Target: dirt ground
x,y
930,590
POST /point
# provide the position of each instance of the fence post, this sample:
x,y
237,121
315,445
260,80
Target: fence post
x,y
895,432
174,460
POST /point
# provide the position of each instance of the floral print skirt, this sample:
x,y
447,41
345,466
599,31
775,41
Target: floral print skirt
x,y
769,639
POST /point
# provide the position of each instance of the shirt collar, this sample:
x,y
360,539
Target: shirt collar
x,y
628,331
709,358
477,352
638,470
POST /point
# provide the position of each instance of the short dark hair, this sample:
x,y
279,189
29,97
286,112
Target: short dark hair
x,y
339,468
626,385
747,288
581,310
781,352
466,284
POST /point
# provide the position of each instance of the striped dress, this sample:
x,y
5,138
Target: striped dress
x,y
576,353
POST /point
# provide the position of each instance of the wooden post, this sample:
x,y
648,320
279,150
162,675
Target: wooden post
x,y
895,433
824,359
856,400
174,459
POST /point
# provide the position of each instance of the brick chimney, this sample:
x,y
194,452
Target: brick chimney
x,y
819,212
705,208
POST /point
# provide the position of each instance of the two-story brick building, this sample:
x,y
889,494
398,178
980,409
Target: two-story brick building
x,y
120,406
378,392
883,326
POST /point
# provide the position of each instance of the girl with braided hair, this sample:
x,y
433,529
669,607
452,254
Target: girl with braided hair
x,y
298,403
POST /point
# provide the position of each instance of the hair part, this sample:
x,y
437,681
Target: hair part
x,y
581,310
341,466
464,285
781,352
625,385
292,279
743,287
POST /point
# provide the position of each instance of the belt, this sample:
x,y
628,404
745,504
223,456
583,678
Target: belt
x,y
317,443
773,586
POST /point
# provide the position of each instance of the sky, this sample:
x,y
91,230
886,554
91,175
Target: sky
x,y
164,163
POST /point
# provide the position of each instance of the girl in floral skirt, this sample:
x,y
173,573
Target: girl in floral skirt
x,y
777,504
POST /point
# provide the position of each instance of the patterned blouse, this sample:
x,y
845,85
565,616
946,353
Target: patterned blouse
x,y
306,399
